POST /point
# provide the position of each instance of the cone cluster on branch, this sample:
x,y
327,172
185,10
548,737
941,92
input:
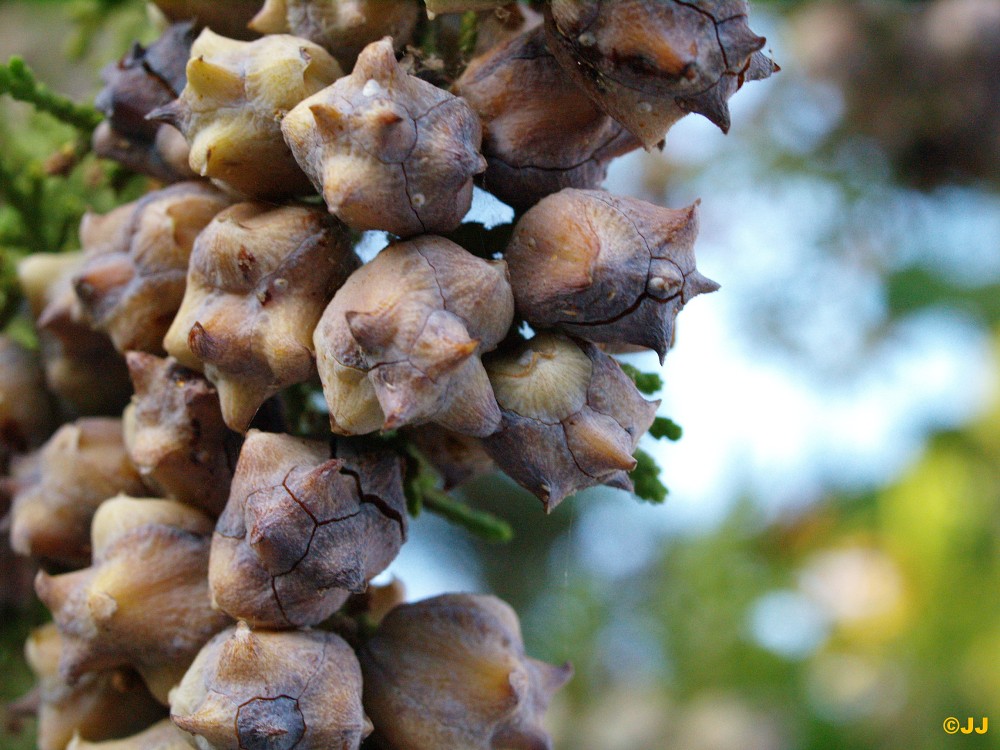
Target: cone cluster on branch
x,y
207,547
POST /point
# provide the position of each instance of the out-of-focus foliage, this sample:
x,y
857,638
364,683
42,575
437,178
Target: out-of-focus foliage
x,y
47,177
16,733
920,78
863,622
17,80
40,210
918,288
859,619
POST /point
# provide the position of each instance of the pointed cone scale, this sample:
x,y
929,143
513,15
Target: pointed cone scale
x,y
55,590
318,480
143,369
328,119
711,104
221,81
738,41
445,353
475,410
696,284
518,738
599,444
620,480
239,654
213,720
399,408
551,676
203,344
760,67
103,277
272,18
171,114
387,118
240,402
372,330
30,532
377,62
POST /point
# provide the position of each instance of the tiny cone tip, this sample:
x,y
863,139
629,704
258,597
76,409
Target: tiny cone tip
x,y
200,342
137,360
697,284
718,113
326,117
377,60
191,724
168,113
43,588
272,18
238,650
392,422
141,368
559,675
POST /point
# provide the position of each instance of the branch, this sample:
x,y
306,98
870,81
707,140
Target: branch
x,y
647,382
17,80
422,492
468,34
663,427
646,478
479,522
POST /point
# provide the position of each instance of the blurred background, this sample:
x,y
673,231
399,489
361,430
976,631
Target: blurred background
x,y
825,572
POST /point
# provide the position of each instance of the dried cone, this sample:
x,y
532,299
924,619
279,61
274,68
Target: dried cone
x,y
387,150
457,458
81,365
303,530
436,7
542,132
16,571
451,672
400,343
144,602
647,63
175,435
500,24
99,706
164,158
571,418
163,735
343,27
136,258
605,268
59,490
143,80
27,414
229,18
259,279
278,691
376,601
231,109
